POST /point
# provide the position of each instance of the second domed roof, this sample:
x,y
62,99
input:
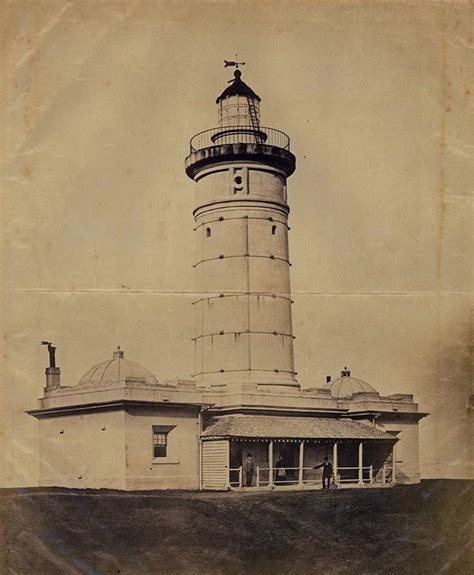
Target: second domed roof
x,y
116,371
346,386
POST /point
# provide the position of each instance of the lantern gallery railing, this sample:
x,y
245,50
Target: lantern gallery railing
x,y
282,476
239,135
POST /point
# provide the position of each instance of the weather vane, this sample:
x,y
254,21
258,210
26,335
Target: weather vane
x,y
228,63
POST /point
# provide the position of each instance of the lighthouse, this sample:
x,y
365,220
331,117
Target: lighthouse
x,y
243,310
244,422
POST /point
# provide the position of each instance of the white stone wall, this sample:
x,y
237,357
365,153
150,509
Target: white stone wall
x,y
114,450
83,451
243,318
406,449
180,469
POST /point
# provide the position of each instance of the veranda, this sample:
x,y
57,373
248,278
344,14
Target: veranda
x,y
284,463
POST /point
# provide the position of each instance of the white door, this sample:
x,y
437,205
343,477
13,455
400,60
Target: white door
x,y
215,464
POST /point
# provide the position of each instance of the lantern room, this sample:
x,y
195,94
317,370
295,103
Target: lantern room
x,y
238,104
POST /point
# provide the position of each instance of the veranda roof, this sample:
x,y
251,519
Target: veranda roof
x,y
277,427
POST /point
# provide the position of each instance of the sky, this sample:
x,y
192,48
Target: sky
x,y
100,102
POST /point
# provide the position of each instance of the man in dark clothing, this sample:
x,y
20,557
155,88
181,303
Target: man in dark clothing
x,y
249,468
327,472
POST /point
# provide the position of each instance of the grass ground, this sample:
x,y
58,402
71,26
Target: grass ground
x,y
416,530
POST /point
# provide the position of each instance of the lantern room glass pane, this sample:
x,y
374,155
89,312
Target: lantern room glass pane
x,y
234,111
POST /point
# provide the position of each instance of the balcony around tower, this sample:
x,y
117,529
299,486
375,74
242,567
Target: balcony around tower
x,y
242,144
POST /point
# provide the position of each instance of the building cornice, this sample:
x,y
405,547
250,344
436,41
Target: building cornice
x,y
124,404
377,414
280,410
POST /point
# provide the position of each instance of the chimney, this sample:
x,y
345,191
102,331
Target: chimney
x,y
53,379
53,373
328,379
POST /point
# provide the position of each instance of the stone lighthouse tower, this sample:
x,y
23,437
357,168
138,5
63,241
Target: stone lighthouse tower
x,y
243,320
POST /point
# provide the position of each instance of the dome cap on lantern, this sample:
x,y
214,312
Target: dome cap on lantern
x,y
238,88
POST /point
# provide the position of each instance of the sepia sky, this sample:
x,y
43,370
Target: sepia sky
x,y
100,102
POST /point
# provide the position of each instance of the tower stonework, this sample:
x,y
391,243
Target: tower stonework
x,y
243,317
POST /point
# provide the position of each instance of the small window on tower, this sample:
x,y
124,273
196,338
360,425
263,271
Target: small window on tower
x,y
208,232
274,230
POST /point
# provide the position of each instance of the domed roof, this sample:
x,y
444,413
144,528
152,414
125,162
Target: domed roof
x,y
116,371
238,88
346,386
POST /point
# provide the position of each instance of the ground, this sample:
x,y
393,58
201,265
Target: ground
x,y
412,529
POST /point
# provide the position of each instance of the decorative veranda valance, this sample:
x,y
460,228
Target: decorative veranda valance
x,y
255,427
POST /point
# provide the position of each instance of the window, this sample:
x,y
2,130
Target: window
x,y
274,229
160,440
160,444
208,232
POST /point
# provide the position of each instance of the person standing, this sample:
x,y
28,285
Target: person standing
x,y
280,470
327,472
249,468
